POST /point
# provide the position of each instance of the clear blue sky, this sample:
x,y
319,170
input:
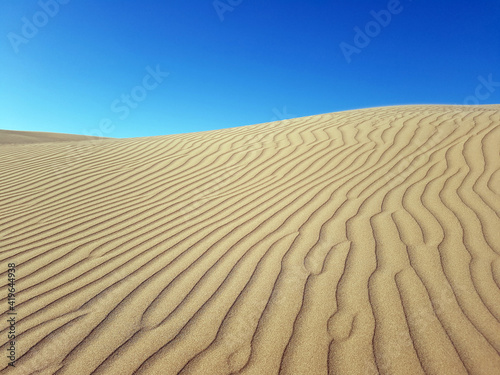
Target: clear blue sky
x,y
250,62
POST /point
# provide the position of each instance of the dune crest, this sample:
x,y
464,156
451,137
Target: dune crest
x,y
22,137
358,242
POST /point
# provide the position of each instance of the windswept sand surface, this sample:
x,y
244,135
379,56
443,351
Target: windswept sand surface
x,y
359,242
20,137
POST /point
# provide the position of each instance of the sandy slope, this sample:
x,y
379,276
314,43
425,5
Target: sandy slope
x,y
357,242
17,137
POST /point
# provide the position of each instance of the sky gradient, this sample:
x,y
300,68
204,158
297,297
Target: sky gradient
x,y
131,69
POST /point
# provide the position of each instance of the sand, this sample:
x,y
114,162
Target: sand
x,y
358,242
21,137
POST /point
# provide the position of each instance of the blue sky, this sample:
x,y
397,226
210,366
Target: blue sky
x,y
84,67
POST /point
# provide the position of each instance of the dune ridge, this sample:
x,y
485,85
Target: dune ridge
x,y
357,242
22,137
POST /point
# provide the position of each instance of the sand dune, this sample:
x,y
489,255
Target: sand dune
x,y
359,242
16,137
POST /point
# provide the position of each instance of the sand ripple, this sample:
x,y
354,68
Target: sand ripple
x,y
358,242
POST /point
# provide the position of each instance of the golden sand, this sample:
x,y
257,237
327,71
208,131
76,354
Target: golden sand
x,y
20,137
358,242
